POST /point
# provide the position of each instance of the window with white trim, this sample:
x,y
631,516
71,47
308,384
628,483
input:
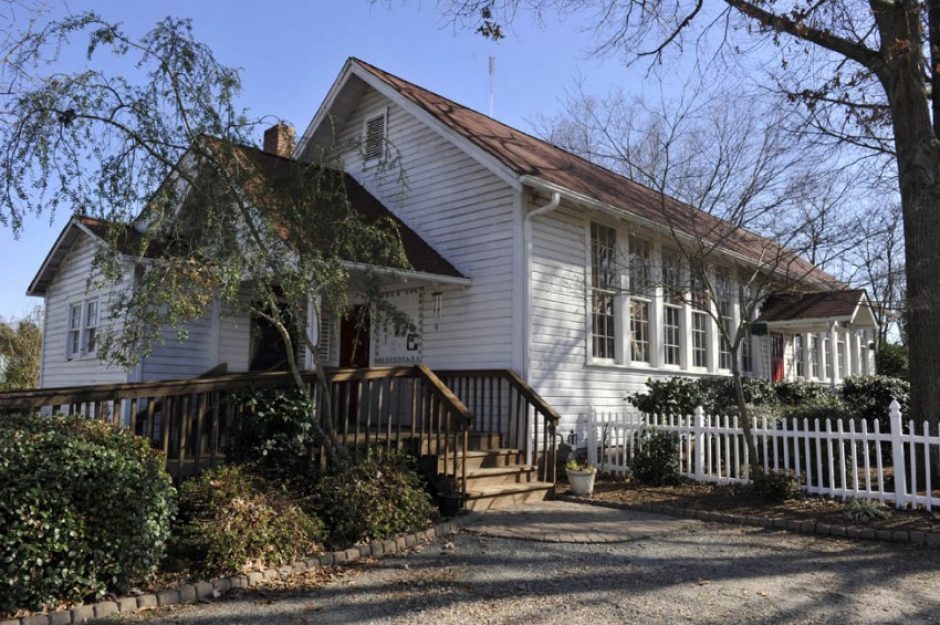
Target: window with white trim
x,y
671,334
639,330
840,354
641,284
798,355
813,356
699,339
828,352
374,135
603,285
82,335
746,303
73,340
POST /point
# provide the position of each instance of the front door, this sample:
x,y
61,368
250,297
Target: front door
x,y
354,338
776,357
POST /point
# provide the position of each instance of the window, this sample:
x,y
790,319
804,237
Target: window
x,y
90,327
828,353
699,339
73,341
374,140
640,257
671,334
697,286
603,276
747,361
840,354
672,276
798,355
813,356
724,306
82,337
639,330
746,300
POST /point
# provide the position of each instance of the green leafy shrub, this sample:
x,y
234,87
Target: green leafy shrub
x,y
715,394
865,511
801,393
274,431
869,396
85,509
232,521
892,361
776,486
656,461
669,396
372,499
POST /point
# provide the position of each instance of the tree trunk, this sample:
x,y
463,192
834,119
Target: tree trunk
x,y
754,463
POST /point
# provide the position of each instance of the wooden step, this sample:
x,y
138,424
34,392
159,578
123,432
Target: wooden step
x,y
504,495
476,441
485,459
496,476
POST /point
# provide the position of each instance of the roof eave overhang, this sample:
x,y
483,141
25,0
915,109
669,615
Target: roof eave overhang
x,y
622,213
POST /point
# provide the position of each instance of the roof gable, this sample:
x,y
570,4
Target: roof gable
x,y
517,156
844,305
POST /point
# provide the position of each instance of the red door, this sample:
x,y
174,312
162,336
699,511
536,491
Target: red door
x,y
776,357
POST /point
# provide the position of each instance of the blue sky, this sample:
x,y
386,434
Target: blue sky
x,y
290,52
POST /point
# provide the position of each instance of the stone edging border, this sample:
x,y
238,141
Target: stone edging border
x,y
916,537
207,590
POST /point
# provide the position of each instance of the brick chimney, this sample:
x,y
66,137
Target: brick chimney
x,y
279,140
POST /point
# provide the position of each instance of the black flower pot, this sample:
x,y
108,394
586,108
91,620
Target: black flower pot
x,y
449,505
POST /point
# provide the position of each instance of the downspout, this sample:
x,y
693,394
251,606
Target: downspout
x,y
527,301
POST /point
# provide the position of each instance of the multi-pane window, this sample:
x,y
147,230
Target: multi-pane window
x,y
699,339
671,334
828,353
724,308
813,356
697,286
798,355
73,340
639,330
640,266
82,336
672,275
840,353
603,284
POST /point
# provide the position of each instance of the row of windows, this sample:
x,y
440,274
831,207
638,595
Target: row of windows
x,y
816,349
604,287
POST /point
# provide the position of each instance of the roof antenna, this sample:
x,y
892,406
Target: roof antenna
x,y
492,75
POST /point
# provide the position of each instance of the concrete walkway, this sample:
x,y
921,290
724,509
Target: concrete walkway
x,y
626,568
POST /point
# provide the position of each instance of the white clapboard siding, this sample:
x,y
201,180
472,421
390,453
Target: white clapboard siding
x,y
558,369
465,213
75,282
886,460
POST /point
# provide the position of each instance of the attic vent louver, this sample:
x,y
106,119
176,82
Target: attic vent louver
x,y
374,145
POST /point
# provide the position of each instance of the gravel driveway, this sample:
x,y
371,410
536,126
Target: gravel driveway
x,y
670,572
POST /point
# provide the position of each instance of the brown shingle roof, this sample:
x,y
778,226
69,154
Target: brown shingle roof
x,y
823,305
526,155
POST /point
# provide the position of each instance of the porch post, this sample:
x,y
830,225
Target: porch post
x,y
834,354
849,348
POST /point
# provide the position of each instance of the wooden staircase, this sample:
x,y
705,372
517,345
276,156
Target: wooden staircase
x,y
497,476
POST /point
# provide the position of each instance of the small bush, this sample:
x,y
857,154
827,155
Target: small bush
x,y
232,521
776,486
869,396
85,509
671,396
656,461
715,394
802,393
892,361
274,431
865,511
373,499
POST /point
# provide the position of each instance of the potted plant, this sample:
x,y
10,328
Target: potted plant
x,y
448,499
581,476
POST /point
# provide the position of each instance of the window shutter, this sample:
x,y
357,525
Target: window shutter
x,y
374,145
326,349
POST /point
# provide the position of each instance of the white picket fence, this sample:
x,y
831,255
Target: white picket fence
x,y
832,460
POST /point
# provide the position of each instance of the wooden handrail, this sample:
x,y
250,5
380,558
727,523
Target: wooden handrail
x,y
444,393
515,379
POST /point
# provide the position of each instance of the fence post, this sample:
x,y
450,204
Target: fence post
x,y
699,432
897,451
592,438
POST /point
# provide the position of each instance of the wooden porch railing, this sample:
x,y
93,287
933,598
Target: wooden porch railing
x,y
504,403
191,421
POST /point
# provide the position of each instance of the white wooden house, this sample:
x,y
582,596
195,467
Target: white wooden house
x,y
504,233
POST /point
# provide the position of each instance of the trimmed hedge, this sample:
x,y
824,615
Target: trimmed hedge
x,y
233,521
85,509
656,460
372,499
870,396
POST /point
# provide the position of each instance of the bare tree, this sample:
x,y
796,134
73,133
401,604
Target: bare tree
x,y
867,73
747,215
879,257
